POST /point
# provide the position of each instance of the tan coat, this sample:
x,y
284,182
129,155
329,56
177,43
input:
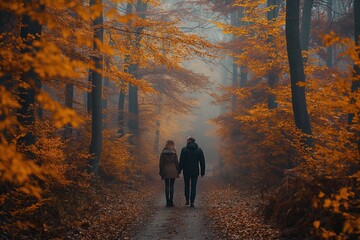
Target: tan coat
x,y
169,164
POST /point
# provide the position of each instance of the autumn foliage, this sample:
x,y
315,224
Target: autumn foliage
x,y
47,50
52,53
264,148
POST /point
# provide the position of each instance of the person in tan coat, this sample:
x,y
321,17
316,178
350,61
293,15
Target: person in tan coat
x,y
169,170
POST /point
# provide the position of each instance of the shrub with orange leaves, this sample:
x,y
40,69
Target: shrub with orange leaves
x,y
336,154
117,161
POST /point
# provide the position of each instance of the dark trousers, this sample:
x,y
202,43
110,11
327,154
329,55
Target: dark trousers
x,y
169,188
190,180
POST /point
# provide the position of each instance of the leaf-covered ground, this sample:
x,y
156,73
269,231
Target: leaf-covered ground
x,y
234,214
102,211
221,212
116,211
115,215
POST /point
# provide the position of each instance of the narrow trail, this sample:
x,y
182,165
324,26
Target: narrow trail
x,y
221,212
180,221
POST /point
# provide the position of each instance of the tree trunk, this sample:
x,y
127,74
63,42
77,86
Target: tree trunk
x,y
105,100
234,74
133,90
329,50
7,20
243,77
157,131
30,31
239,78
89,94
133,110
273,13
243,74
69,99
272,78
122,94
121,107
356,84
7,24
305,26
302,120
69,91
234,79
96,115
69,95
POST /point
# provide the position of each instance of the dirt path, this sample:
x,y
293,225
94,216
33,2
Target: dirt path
x,y
179,222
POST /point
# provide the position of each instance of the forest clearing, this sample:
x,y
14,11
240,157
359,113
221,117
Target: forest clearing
x,y
247,112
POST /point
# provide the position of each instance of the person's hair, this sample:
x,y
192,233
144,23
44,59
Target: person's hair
x,y
170,144
190,139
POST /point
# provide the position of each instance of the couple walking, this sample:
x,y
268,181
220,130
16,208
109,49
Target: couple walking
x,y
170,168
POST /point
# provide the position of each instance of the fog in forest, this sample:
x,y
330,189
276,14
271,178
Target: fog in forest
x,y
91,90
197,122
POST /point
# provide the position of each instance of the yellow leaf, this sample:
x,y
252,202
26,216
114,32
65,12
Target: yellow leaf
x,y
327,203
301,84
111,14
344,193
316,224
348,228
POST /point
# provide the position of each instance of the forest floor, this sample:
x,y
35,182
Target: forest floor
x,y
178,222
220,212
116,211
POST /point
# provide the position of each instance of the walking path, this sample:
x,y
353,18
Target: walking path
x,y
179,222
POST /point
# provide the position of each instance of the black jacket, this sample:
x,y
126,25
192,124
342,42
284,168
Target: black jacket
x,y
190,157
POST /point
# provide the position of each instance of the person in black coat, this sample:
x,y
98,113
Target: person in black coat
x,y
190,158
